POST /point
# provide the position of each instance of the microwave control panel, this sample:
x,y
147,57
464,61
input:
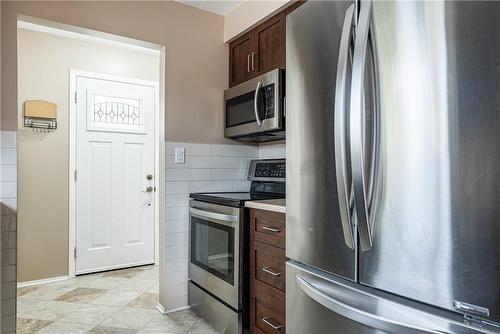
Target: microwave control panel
x,y
269,100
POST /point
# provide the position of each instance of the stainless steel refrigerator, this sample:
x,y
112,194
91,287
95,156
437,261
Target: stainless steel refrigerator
x,y
393,167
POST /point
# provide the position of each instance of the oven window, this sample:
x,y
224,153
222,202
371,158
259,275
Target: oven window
x,y
212,248
239,110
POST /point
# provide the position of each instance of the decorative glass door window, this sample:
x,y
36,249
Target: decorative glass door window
x,y
111,113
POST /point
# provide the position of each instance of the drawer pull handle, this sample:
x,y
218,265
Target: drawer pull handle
x,y
270,324
275,230
266,270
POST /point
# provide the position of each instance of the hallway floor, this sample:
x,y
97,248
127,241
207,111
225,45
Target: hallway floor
x,y
121,301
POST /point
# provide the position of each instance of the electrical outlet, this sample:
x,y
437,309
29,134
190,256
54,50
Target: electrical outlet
x,y
180,155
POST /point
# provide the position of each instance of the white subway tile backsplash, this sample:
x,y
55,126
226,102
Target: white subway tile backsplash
x,y
211,162
176,303
8,189
229,174
178,277
191,149
8,273
185,174
176,252
177,213
8,236
210,186
8,240
176,265
8,139
170,162
272,151
177,226
241,186
207,168
177,290
8,257
8,305
8,290
175,200
177,239
241,163
8,173
9,206
8,156
235,151
7,223
8,324
177,187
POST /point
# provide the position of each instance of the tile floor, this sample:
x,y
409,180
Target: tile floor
x,y
121,301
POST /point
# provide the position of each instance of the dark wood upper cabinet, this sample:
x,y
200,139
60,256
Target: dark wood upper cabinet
x,y
239,59
270,48
260,50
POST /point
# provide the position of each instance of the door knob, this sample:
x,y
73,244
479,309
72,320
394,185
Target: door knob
x,y
149,177
149,189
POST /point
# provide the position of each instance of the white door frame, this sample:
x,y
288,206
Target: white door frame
x,y
159,130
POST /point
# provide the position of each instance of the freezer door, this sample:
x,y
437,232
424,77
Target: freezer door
x,y
318,227
319,304
436,218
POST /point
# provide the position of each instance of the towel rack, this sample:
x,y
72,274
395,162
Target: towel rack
x,y
40,116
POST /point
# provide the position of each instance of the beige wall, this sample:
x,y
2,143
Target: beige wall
x,y
248,13
196,56
44,61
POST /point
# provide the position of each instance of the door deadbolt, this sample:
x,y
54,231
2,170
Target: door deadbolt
x,y
149,177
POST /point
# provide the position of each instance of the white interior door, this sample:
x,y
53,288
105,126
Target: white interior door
x,y
114,174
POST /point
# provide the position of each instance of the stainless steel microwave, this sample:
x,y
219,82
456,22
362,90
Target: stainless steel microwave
x,y
254,110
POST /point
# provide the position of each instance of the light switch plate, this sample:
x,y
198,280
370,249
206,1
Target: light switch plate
x,y
180,155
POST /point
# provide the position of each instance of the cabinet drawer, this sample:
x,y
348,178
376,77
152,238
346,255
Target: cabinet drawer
x,y
269,265
269,310
268,227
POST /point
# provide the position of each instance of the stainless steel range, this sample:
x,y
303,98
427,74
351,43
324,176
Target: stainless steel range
x,y
219,252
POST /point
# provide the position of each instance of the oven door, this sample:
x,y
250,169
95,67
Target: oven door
x,y
255,106
214,252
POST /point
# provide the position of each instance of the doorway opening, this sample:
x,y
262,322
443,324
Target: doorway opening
x,y
90,191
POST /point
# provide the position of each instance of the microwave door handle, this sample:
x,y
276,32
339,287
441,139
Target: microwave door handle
x,y
255,103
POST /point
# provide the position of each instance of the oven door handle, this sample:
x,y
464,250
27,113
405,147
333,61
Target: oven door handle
x,y
214,215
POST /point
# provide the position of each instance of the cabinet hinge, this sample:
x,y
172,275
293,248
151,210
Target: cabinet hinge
x,y
74,252
75,97
74,175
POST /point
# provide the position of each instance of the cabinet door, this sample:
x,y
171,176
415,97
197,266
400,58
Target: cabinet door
x,y
239,60
270,40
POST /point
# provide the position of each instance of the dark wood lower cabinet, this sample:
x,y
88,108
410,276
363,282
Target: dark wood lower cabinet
x,y
267,272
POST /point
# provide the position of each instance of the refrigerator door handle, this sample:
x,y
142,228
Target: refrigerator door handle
x,y
355,314
340,127
357,127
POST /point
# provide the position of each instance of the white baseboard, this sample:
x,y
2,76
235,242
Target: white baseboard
x,y
42,281
162,310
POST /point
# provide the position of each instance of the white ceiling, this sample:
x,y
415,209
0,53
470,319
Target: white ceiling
x,y
221,7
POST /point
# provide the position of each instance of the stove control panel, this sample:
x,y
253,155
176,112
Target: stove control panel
x,y
267,170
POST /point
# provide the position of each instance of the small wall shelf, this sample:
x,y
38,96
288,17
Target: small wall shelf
x,y
41,116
